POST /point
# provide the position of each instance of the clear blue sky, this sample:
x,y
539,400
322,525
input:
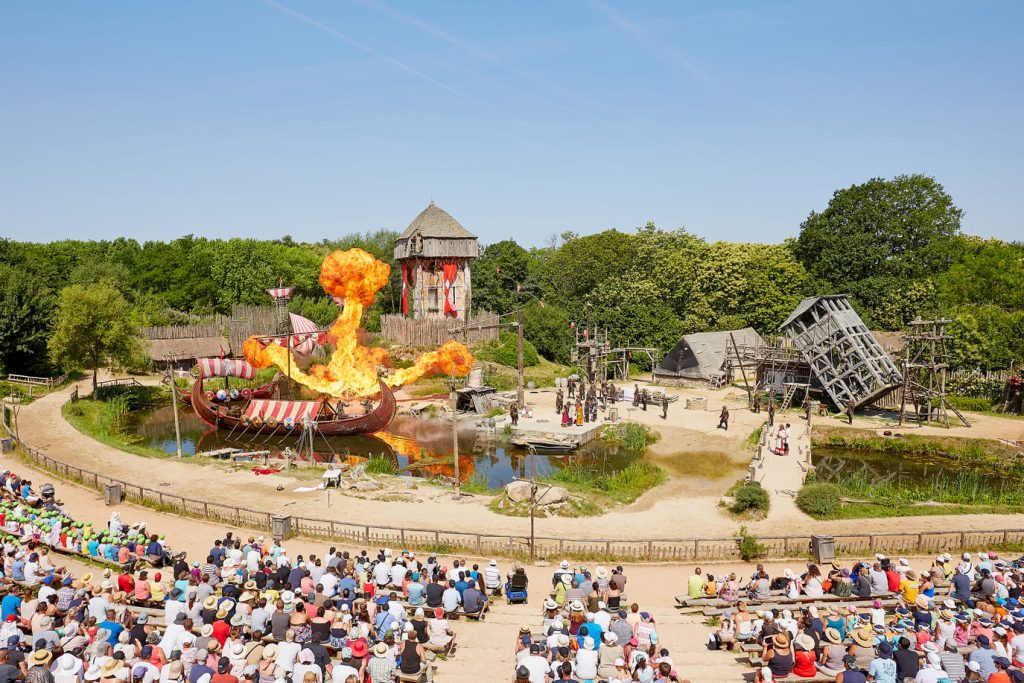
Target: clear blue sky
x,y
523,119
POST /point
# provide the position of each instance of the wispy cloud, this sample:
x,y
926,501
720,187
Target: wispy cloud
x,y
666,50
483,54
369,49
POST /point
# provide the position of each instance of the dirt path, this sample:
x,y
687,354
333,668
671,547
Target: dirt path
x,y
701,460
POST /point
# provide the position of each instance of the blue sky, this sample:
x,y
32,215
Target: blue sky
x,y
315,118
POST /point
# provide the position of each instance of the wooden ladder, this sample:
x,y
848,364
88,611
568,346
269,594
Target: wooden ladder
x,y
787,398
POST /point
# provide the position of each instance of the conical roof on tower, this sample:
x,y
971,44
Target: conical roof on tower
x,y
434,233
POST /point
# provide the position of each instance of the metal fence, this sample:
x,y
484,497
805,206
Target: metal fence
x,y
484,544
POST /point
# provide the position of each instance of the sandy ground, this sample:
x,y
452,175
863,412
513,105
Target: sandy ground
x,y
487,646
702,462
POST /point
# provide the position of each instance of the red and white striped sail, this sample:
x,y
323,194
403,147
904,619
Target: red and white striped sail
x,y
280,292
279,410
226,367
306,335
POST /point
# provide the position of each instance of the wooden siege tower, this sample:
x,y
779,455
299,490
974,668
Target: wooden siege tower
x,y
843,355
435,253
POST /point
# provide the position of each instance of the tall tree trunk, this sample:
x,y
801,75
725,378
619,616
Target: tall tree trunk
x,y
95,372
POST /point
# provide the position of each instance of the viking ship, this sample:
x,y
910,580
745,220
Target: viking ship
x,y
229,367
277,417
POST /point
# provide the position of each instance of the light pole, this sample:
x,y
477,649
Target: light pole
x,y
453,401
168,361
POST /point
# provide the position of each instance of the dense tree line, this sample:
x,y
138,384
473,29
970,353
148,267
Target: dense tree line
x,y
895,246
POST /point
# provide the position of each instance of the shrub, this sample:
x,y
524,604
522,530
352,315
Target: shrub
x,y
750,548
751,496
969,403
505,351
819,500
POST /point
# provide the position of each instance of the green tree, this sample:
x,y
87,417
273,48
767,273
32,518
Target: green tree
x,y
582,264
989,271
905,227
500,270
95,326
26,304
634,314
547,327
880,233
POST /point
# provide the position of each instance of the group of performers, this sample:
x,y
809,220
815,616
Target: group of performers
x,y
583,401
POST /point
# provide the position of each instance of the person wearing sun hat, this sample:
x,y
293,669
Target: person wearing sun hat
x,y
777,655
381,667
832,652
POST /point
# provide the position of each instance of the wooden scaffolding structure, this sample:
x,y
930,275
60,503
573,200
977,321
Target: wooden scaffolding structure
x,y
925,362
600,360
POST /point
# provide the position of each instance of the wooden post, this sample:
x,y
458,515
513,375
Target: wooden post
x,y
743,371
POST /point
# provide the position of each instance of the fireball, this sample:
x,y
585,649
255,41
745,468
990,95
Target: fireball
x,y
355,277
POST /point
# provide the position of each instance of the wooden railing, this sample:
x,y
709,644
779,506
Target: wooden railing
x,y
28,380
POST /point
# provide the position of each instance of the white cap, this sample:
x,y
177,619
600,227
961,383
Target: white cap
x,y
974,666
766,674
966,556
564,564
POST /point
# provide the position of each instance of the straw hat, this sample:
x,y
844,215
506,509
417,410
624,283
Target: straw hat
x,y
380,650
912,575
40,658
601,572
805,642
863,637
780,640
922,601
833,635
110,667
549,603
210,602
270,651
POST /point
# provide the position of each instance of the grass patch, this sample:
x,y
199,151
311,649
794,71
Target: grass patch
x,y
574,507
379,465
972,451
752,439
477,484
631,435
624,486
106,420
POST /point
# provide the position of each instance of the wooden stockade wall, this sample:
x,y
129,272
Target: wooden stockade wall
x,y
212,329
244,322
402,330
435,540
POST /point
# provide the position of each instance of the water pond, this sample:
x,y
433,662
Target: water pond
x,y
916,476
408,440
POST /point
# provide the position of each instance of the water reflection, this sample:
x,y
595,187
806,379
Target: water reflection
x,y
408,441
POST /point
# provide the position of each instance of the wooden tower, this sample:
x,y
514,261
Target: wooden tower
x,y
435,253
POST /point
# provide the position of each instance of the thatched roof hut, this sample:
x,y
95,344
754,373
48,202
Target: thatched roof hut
x,y
696,356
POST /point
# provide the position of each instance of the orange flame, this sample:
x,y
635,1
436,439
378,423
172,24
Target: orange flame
x,y
355,276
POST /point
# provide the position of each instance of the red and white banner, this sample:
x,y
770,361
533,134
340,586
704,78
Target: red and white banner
x,y
405,288
226,367
450,270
